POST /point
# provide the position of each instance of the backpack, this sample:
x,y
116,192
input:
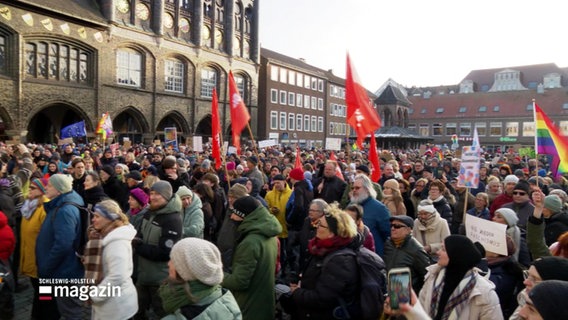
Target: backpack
x,y
372,284
85,215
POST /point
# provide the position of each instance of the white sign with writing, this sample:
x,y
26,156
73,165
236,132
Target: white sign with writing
x,y
333,144
491,235
267,143
232,150
198,143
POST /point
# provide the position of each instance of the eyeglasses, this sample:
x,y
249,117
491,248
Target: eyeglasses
x,y
519,193
314,210
398,226
319,225
528,276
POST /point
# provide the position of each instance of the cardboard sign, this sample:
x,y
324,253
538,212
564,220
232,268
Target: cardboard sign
x,y
127,144
491,235
198,144
333,144
232,150
267,143
61,142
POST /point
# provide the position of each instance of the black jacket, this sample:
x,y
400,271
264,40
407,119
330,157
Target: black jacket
x,y
411,254
297,210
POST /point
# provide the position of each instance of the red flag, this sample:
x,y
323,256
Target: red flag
x,y
216,130
332,156
298,163
374,158
338,172
239,113
360,113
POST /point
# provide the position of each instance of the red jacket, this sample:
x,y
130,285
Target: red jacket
x,y
7,239
498,203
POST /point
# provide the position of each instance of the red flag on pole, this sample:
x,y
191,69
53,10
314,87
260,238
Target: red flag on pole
x,y
374,158
216,130
239,113
298,163
360,113
338,172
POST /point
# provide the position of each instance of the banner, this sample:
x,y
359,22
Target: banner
x,y
197,143
333,144
76,129
469,168
491,235
267,143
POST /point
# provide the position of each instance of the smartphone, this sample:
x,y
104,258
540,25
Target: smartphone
x,y
399,286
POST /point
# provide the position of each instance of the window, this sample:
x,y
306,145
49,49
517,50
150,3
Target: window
x,y
314,84
240,82
423,111
495,129
282,120
274,73
320,85
59,62
273,96
410,110
306,123
437,129
273,120
496,108
412,127
306,81
299,100
283,75
291,121
299,79
320,124
332,109
465,129
320,104
298,122
565,106
528,129
291,99
529,107
331,127
291,78
563,126
306,101
314,103
314,123
463,109
481,128
283,97
482,109
485,88
512,129
3,53
440,110
174,75
451,129
208,82
424,130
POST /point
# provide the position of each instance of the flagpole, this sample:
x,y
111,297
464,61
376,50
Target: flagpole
x,y
535,143
254,149
347,146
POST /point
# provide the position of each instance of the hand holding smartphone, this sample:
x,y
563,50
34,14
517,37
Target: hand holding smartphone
x,y
399,286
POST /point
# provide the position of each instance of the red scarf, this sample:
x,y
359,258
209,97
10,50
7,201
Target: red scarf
x,y
321,247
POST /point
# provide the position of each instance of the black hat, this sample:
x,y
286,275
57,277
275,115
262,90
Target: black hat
x,y
278,177
108,169
463,254
523,185
427,169
134,174
408,221
244,206
548,298
552,268
253,159
363,168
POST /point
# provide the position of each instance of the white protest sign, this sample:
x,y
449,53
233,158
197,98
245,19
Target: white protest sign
x,y
225,147
333,144
232,150
491,235
198,143
267,143
469,168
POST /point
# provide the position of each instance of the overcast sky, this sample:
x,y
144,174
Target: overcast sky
x,y
416,42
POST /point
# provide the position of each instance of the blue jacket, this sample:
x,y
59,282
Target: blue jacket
x,y
55,249
376,216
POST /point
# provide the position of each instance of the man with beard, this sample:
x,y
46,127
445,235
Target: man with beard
x,y
78,173
330,188
375,214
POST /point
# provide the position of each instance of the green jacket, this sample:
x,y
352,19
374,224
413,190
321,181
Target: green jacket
x,y
222,306
160,230
254,262
193,223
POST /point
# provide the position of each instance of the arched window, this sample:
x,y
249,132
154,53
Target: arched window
x,y
208,82
241,83
174,75
129,68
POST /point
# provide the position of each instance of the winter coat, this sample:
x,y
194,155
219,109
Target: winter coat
x,y
159,230
507,276
7,238
433,234
376,216
523,210
79,185
118,191
444,209
252,278
555,226
323,286
410,254
298,205
278,199
29,231
94,195
498,202
394,209
222,305
192,218
333,189
535,238
483,303
117,272
57,239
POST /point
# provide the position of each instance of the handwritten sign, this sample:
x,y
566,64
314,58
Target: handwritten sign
x,y
197,143
333,144
267,143
491,235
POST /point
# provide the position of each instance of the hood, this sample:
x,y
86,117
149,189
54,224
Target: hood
x,y
66,197
196,204
174,205
260,221
3,220
126,232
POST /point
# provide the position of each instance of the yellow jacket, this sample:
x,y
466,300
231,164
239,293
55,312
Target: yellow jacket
x,y
29,231
278,199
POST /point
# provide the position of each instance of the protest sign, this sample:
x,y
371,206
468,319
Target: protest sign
x,y
198,144
333,144
491,235
267,143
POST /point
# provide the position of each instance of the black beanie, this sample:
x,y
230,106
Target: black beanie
x,y
108,169
552,268
463,254
549,299
244,206
523,185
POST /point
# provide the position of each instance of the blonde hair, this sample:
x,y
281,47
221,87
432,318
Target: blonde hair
x,y
112,206
346,227
394,165
149,181
485,197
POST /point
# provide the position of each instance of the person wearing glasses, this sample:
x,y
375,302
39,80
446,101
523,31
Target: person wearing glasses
x,y
546,301
403,250
542,269
521,203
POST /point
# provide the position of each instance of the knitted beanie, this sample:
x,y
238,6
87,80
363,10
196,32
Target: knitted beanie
x,y
552,268
523,186
297,174
511,179
164,188
426,205
549,298
509,215
230,165
244,206
40,184
140,196
238,191
197,259
553,203
184,191
463,254
61,182
108,169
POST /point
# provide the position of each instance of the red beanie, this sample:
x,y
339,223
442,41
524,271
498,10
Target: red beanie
x,y
297,174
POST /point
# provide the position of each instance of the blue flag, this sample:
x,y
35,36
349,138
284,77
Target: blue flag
x,y
76,129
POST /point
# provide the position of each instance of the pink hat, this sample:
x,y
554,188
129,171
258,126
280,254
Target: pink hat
x,y
230,165
297,174
140,196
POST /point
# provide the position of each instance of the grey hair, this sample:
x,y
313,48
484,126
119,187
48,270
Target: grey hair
x,y
367,184
321,204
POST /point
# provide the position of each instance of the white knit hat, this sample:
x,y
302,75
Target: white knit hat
x,y
197,259
509,215
426,205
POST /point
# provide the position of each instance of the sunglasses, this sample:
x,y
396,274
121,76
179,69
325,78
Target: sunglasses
x,y
398,226
519,193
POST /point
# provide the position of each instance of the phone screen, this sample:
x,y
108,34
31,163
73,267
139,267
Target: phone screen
x,y
399,288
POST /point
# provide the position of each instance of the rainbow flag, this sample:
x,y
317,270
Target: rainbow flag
x,y
549,141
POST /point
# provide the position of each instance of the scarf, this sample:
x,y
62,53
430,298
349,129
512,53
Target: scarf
x,y
93,260
178,294
428,221
457,299
321,247
29,207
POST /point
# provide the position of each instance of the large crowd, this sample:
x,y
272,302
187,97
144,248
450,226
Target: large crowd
x,y
184,237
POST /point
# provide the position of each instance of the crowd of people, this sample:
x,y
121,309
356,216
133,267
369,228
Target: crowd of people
x,y
186,238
